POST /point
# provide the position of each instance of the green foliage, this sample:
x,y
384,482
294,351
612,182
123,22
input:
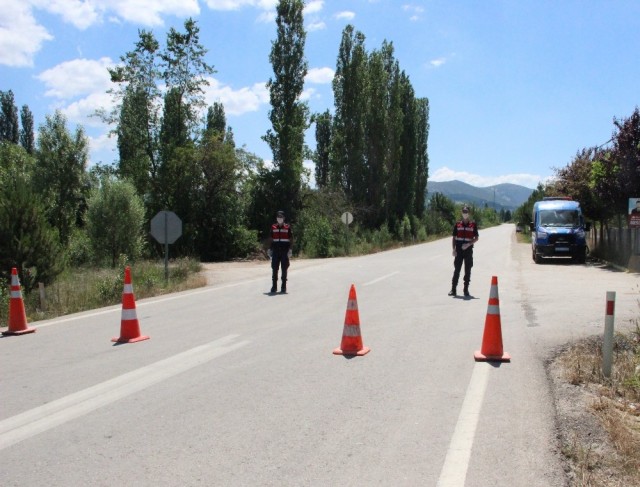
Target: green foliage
x,y
9,129
440,215
404,229
79,251
4,300
318,239
27,241
288,115
59,176
114,221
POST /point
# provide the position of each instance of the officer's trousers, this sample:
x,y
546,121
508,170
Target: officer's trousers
x,y
279,258
465,256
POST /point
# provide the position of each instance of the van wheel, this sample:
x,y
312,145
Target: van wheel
x,y
536,257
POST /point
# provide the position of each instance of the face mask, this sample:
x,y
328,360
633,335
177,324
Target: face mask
x,y
465,216
280,221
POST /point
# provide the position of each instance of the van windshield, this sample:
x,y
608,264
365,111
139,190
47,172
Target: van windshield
x,y
559,218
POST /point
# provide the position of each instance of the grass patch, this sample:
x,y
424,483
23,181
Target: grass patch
x,y
615,402
87,288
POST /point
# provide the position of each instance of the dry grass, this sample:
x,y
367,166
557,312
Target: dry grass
x,y
613,459
90,288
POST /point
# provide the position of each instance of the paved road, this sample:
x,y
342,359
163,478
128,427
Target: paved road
x,y
239,388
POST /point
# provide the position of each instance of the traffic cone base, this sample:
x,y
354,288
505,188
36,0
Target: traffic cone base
x,y
363,351
17,315
505,357
129,340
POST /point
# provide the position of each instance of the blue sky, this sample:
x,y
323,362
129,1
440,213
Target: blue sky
x,y
516,87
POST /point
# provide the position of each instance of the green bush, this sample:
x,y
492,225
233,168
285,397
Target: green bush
x,y
79,250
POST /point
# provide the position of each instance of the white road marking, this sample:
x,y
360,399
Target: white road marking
x,y
40,419
380,278
454,470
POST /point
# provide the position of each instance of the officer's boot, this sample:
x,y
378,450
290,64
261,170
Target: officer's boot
x,y
453,290
283,289
274,286
466,289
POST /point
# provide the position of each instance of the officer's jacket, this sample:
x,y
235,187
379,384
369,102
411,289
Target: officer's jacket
x,y
464,232
281,236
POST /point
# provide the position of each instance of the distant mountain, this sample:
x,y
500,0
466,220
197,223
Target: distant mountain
x,y
507,196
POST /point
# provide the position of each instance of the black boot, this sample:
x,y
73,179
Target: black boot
x,y
274,286
453,291
283,289
466,290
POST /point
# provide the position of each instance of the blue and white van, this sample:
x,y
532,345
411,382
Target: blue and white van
x,y
558,230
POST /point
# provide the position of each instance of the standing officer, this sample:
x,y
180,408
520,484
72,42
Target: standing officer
x,y
465,234
280,251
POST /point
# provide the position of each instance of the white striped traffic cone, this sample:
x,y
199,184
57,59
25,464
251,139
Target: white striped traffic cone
x,y
492,338
129,326
17,314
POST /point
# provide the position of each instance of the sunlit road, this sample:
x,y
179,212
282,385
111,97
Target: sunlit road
x,y
239,388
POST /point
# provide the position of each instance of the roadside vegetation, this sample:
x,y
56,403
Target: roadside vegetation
x,y
612,458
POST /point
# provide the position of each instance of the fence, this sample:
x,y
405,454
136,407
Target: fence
x,y
617,245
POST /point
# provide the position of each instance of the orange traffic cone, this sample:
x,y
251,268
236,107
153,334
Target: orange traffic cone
x,y
17,315
129,326
492,339
351,339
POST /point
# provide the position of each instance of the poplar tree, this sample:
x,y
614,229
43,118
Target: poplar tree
x,y
288,114
9,130
349,85
323,147
27,137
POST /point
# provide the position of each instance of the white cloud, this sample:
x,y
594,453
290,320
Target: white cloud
x,y
80,13
313,7
319,25
237,102
346,15
436,63
77,77
446,174
103,148
83,111
148,12
320,75
21,37
238,4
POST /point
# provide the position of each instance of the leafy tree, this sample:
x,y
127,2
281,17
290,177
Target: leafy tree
x,y
406,191
323,147
136,112
349,84
216,118
440,215
184,71
27,137
221,231
115,221
422,156
137,140
9,129
626,152
288,115
27,240
60,172
377,148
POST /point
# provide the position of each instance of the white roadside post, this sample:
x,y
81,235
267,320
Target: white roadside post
x,y
607,345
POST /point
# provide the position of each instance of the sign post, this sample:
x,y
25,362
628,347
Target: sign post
x,y
166,228
347,218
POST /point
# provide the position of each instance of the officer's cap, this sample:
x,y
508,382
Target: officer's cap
x,y
465,209
280,214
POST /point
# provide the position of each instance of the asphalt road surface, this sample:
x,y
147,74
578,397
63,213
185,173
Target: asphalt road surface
x,y
239,388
